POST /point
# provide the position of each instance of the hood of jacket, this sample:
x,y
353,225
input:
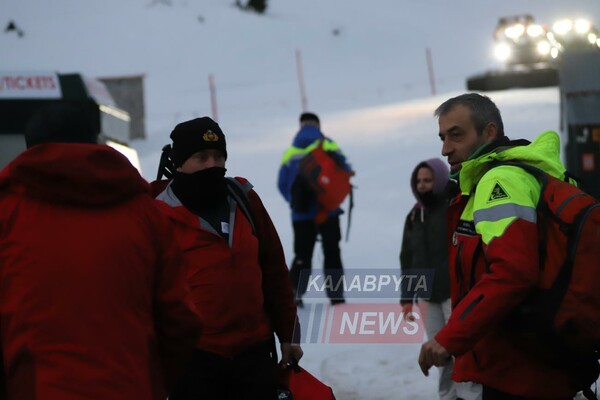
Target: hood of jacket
x,y
542,153
307,135
440,176
87,175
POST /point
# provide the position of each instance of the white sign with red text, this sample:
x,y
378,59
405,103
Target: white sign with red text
x,y
29,85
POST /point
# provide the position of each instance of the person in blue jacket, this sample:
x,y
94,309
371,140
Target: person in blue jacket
x,y
304,207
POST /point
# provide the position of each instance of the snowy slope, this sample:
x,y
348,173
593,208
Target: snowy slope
x,y
368,83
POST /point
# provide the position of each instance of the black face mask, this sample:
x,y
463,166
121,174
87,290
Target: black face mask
x,y
428,198
202,189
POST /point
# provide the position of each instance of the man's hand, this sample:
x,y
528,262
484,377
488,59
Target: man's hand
x,y
290,352
407,309
432,354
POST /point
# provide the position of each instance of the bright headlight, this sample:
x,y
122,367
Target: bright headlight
x,y
502,51
563,26
554,52
592,37
515,31
535,30
543,48
582,26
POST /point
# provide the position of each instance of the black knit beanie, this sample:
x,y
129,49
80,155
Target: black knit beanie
x,y
308,116
62,122
192,136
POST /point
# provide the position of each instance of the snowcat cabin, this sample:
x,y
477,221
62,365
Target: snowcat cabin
x,y
23,93
528,55
521,41
576,34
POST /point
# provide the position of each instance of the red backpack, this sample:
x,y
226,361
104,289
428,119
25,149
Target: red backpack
x,y
327,177
564,312
296,383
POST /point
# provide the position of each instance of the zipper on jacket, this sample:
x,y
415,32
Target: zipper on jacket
x,y
470,307
476,255
458,271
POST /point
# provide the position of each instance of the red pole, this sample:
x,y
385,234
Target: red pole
x,y
213,97
301,79
430,69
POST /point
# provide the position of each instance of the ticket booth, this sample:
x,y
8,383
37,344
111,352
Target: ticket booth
x,y
23,93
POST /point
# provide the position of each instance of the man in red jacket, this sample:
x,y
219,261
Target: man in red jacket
x,y
94,303
237,271
494,257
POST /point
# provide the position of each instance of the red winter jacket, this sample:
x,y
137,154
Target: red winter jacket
x,y
241,288
494,266
93,300
501,358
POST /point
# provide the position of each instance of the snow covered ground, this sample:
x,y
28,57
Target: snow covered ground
x,y
366,77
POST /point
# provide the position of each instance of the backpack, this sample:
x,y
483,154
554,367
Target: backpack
x,y
321,174
241,198
564,311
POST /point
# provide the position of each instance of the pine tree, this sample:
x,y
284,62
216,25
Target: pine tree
x,y
256,5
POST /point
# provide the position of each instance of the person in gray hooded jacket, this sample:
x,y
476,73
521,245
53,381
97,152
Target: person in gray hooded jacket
x,y
424,247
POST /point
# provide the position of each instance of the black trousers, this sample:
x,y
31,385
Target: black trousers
x,y
248,376
305,237
492,394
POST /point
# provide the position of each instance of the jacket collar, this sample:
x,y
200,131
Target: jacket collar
x,y
543,153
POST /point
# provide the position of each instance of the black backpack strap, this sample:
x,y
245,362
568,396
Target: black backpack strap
x,y
541,175
165,165
237,191
241,198
590,394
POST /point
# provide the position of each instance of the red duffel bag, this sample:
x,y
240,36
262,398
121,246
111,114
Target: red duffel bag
x,y
298,384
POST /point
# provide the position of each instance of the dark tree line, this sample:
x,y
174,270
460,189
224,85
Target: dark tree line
x,y
255,5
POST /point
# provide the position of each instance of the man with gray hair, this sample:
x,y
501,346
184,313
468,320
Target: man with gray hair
x,y
493,255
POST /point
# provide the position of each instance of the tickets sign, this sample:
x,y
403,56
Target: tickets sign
x,y
29,85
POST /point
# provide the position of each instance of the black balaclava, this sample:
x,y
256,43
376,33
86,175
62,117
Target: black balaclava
x,y
201,190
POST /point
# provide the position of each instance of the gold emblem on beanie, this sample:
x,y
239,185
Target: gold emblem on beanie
x,y
210,136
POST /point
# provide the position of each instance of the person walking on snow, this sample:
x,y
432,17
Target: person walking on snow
x,y
304,207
